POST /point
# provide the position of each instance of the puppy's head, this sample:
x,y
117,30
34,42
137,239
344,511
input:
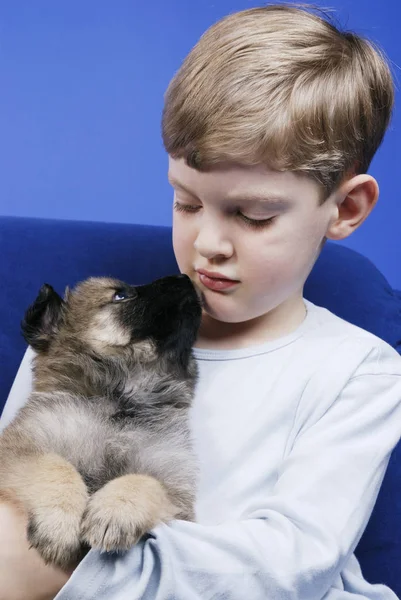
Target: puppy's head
x,y
106,317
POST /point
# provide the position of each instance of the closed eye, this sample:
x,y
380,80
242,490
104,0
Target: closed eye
x,y
257,223
252,223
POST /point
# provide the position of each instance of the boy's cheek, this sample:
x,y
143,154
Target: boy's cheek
x,y
183,256
283,270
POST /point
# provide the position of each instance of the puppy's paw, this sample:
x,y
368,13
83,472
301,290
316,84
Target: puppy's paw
x,y
55,534
55,500
122,511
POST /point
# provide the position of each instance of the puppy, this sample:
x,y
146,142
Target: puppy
x,y
101,452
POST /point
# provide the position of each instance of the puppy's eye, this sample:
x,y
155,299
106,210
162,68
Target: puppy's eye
x,y
119,296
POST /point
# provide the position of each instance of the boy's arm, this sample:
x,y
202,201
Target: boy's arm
x,y
295,543
23,574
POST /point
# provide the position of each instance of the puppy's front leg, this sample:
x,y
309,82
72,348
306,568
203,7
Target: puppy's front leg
x,y
54,497
123,510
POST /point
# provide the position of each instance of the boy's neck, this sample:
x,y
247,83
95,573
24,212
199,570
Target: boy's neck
x,y
281,321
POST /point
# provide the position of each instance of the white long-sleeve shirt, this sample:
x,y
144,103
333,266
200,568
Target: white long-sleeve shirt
x,y
293,438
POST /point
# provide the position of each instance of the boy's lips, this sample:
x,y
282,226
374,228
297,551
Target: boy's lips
x,y
215,275
215,281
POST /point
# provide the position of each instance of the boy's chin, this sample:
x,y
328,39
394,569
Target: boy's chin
x,y
212,311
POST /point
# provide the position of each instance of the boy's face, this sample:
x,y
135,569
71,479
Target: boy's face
x,y
270,260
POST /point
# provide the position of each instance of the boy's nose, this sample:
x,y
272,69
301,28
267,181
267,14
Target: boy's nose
x,y
211,243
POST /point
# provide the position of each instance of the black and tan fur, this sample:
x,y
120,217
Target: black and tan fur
x,y
101,452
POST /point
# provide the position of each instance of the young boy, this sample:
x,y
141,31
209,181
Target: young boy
x,y
270,126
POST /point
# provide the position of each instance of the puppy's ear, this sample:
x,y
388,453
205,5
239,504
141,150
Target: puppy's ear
x,y
42,318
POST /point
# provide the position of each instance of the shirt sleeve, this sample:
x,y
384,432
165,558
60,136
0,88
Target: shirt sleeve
x,y
296,544
20,390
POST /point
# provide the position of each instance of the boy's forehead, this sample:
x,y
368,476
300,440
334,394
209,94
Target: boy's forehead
x,y
236,182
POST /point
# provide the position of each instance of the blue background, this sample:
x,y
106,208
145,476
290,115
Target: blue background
x,y
82,86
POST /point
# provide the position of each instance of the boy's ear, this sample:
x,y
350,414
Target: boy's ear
x,y
42,318
356,199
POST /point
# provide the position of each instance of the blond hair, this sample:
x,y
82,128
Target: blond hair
x,y
282,86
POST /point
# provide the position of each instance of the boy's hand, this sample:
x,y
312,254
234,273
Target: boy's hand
x,y
23,574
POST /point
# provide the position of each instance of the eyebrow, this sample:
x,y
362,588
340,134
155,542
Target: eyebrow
x,y
267,199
